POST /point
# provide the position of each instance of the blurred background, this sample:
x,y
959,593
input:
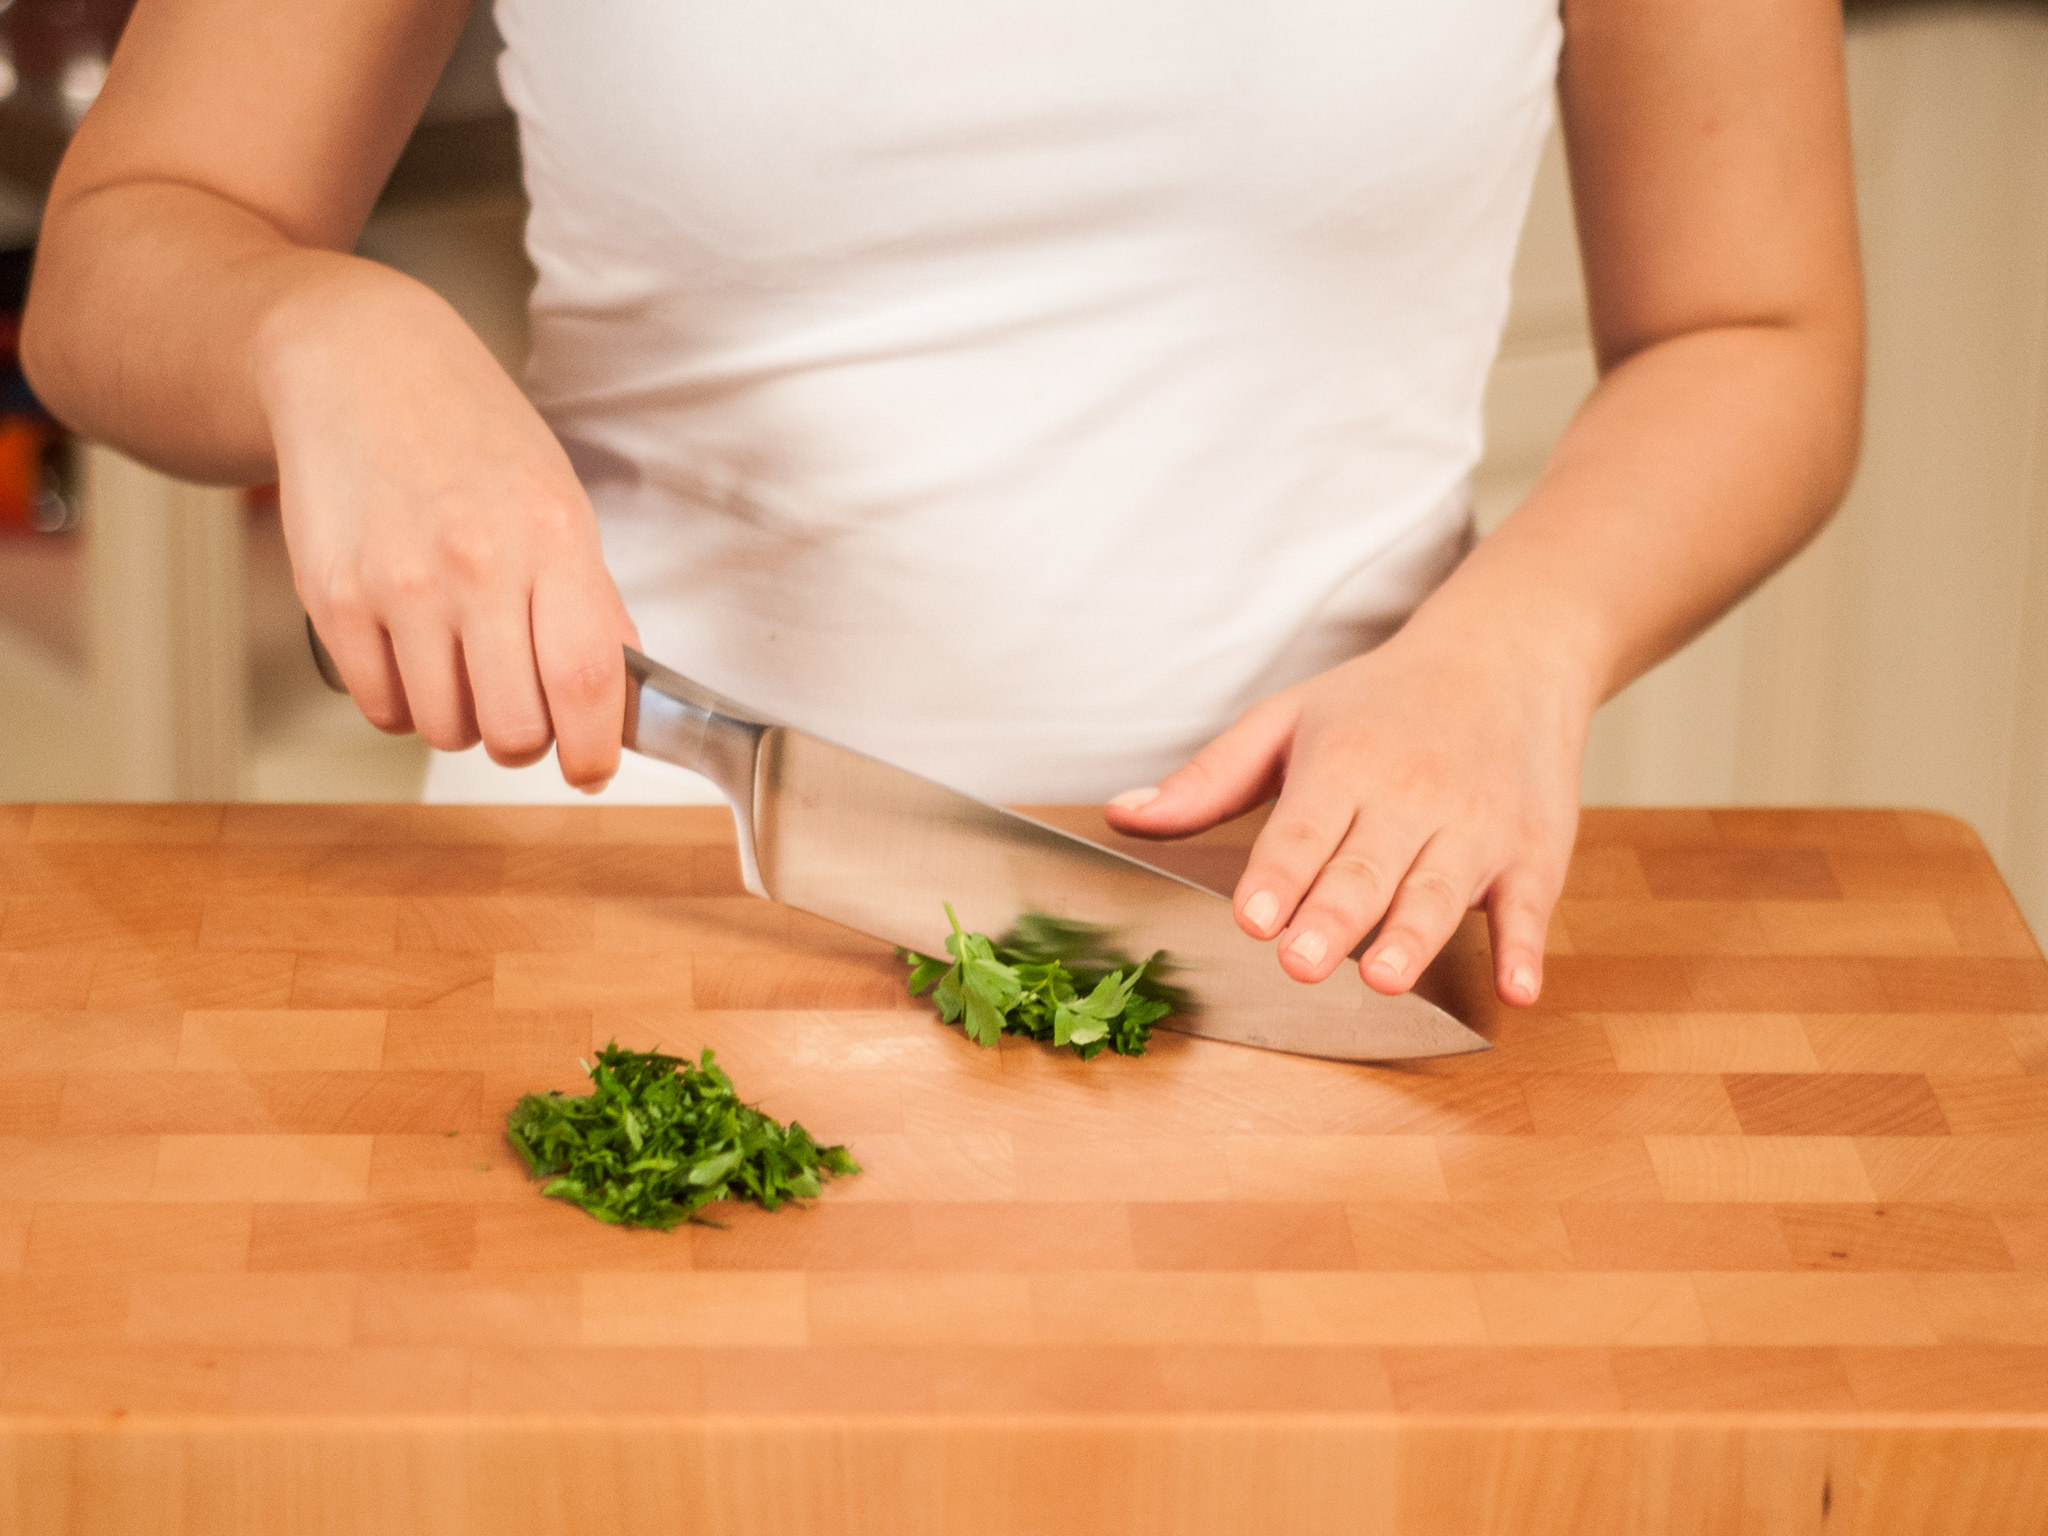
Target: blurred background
x,y
150,643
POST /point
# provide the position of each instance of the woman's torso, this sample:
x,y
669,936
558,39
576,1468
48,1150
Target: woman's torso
x,y
1016,389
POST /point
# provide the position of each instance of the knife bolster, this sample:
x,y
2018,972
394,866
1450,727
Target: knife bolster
x,y
681,730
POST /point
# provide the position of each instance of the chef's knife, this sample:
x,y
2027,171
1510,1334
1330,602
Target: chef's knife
x,y
881,850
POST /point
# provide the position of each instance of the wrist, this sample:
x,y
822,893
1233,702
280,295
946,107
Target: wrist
x,y
1550,643
323,312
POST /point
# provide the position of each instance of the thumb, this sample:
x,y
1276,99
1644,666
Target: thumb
x,y
1238,770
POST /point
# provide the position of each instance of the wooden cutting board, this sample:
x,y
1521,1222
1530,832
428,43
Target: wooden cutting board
x,y
1745,1229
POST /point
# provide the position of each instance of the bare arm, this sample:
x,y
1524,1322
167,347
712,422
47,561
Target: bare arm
x,y
1710,169
1710,166
229,162
194,303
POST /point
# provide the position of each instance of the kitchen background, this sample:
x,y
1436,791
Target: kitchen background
x,y
150,645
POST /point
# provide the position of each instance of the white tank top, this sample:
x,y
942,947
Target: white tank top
x,y
1017,389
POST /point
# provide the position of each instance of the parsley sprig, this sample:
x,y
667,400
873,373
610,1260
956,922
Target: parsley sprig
x,y
1048,980
659,1138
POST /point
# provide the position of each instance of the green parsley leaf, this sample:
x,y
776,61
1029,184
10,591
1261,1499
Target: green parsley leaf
x,y
658,1138
1048,979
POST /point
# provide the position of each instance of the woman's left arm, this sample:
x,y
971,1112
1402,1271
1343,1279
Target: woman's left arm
x,y
1708,143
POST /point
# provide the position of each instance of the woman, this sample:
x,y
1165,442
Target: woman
x,y
1038,393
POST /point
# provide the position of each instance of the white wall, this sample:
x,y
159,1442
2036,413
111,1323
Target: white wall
x,y
1903,658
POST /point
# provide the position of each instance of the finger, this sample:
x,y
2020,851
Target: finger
x,y
436,685
361,653
1518,915
578,628
1239,769
504,682
1307,827
1346,897
1430,902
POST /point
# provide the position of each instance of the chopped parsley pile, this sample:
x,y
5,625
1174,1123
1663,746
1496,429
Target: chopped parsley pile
x,y
659,1138
1047,980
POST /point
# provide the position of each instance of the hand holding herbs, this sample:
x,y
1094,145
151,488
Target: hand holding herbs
x,y
659,1138
1047,980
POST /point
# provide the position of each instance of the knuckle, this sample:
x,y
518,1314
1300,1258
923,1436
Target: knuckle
x,y
1359,870
1348,739
551,515
407,582
518,743
586,765
583,681
1421,773
324,586
1291,835
1337,912
445,730
1534,881
1521,918
1433,889
347,607
1521,907
470,554
333,594
1415,939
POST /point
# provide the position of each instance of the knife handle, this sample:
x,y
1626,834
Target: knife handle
x,y
330,674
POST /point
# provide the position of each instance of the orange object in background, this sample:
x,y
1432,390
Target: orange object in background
x,y
25,445
32,443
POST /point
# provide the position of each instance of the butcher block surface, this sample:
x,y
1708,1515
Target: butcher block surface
x,y
1744,1228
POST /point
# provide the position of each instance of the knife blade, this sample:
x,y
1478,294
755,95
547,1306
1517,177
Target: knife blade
x,y
881,850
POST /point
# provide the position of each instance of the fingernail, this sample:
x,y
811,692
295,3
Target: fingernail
x,y
1132,799
1308,944
1260,908
1391,965
1522,982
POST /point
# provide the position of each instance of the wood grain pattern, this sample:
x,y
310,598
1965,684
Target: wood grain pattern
x,y
1748,1222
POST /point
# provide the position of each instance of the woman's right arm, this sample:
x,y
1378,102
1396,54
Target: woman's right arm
x,y
195,303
